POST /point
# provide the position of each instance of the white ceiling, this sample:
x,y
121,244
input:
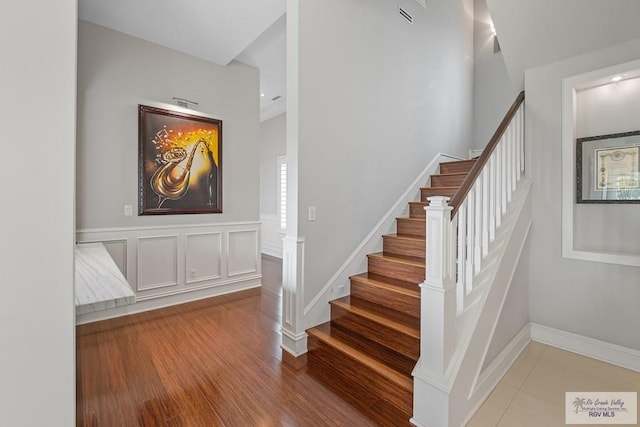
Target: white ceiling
x,y
533,33
269,53
219,31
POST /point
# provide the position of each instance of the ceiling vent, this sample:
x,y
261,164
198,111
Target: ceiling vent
x,y
405,15
275,98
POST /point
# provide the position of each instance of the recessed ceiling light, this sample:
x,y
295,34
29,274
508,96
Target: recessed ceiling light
x,y
262,94
616,79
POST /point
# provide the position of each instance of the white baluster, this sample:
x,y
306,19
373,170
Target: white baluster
x,y
461,225
503,177
498,185
521,116
492,197
471,204
518,145
508,146
477,247
485,210
514,155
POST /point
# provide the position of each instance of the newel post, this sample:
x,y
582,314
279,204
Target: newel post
x,y
438,292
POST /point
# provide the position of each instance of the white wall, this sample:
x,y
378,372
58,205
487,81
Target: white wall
x,y
493,92
603,110
592,299
273,143
219,252
38,76
378,98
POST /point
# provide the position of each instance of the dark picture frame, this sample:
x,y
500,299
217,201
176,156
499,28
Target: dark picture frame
x,y
608,168
180,162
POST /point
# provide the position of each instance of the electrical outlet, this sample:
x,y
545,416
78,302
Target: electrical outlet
x,y
193,273
128,210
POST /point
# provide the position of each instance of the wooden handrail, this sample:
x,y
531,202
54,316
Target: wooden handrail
x,y
466,185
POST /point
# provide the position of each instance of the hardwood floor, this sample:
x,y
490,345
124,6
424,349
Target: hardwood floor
x,y
215,362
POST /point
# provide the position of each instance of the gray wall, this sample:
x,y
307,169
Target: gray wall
x,y
38,75
116,72
378,98
493,92
593,299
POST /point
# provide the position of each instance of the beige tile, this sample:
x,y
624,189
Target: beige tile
x,y
549,381
520,370
536,348
528,411
627,379
494,407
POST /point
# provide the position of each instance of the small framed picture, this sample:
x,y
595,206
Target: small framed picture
x,y
607,168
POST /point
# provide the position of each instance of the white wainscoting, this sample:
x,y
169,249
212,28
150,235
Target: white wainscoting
x,y
168,265
157,262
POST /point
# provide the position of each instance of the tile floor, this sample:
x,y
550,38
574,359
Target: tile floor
x,y
532,393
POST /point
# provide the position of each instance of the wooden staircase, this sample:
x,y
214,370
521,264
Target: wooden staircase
x,y
366,353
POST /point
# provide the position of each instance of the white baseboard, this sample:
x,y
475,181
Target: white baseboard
x,y
611,353
296,345
493,373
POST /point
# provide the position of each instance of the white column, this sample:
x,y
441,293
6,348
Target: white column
x,y
294,337
438,292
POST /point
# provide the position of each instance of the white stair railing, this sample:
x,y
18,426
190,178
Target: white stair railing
x,y
459,238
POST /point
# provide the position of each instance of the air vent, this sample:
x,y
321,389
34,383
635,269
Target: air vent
x,y
407,17
275,98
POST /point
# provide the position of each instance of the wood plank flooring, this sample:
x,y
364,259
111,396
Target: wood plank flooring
x,y
215,362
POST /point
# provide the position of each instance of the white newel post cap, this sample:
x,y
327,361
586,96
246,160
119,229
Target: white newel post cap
x,y
438,202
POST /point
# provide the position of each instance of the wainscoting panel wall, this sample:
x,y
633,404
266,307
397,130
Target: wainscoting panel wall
x,y
204,257
167,265
243,250
157,262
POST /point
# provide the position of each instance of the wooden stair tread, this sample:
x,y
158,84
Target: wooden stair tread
x,y
324,333
390,283
441,187
401,322
404,218
395,361
449,174
461,162
406,237
401,259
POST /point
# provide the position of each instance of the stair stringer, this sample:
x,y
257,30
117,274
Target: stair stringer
x,y
449,399
338,286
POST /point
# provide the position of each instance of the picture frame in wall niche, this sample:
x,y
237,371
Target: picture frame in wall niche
x,y
608,168
179,162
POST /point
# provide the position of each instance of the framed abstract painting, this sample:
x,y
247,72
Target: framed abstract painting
x,y
180,162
